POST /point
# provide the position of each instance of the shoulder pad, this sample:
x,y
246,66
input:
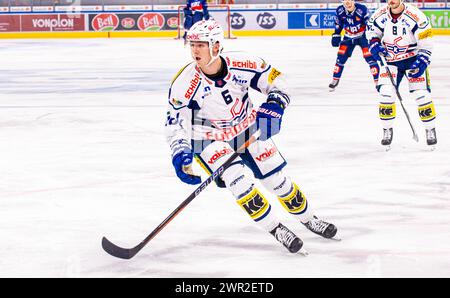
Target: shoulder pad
x,y
360,7
340,10
379,12
414,13
242,60
184,85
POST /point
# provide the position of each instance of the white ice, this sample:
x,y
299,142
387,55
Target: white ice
x,y
83,155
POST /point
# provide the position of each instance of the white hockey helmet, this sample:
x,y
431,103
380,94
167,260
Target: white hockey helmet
x,y
208,31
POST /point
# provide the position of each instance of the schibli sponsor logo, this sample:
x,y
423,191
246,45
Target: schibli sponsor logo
x,y
105,22
219,154
245,64
228,134
192,86
412,15
150,22
268,153
416,80
53,23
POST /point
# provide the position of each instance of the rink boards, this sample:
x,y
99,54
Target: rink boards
x,y
163,21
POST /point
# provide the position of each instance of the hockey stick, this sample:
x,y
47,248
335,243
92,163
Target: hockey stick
x,y
128,253
384,63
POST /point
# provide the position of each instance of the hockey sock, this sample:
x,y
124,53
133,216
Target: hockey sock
x,y
426,109
259,209
387,112
427,114
338,69
375,71
296,204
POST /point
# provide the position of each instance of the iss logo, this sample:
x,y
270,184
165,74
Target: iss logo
x,y
237,21
266,20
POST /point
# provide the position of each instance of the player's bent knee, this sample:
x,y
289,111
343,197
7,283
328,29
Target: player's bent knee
x,y
236,181
278,184
421,96
385,92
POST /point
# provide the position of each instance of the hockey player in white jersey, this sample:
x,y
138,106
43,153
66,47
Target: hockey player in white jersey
x,y
402,33
210,114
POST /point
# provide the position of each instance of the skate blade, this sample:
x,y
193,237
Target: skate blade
x,y
335,238
332,89
432,147
303,252
387,148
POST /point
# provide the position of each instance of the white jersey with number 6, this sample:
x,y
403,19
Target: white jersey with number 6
x,y
406,36
204,109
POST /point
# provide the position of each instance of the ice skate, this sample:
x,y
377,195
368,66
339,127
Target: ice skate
x,y
287,238
333,84
388,134
431,138
322,228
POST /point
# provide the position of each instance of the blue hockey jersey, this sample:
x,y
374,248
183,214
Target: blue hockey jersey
x,y
354,23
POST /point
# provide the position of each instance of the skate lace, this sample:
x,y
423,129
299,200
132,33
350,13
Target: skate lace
x,y
387,134
430,134
284,236
317,225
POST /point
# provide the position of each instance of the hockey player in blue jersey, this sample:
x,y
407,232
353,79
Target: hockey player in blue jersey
x,y
193,12
352,18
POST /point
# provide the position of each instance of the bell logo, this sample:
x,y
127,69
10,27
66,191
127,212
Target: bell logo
x,y
151,22
105,22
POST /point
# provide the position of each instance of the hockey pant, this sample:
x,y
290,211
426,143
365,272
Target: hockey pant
x,y
345,51
266,163
418,87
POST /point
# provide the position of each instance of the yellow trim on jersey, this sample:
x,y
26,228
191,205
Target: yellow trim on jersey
x,y
273,75
202,165
427,76
425,34
178,74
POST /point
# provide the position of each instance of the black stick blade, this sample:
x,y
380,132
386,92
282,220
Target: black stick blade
x,y
116,251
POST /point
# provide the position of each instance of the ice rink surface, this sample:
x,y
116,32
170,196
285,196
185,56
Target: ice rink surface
x,y
83,155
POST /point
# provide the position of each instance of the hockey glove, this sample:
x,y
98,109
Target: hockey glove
x,y
336,40
206,15
268,119
182,162
376,48
419,66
